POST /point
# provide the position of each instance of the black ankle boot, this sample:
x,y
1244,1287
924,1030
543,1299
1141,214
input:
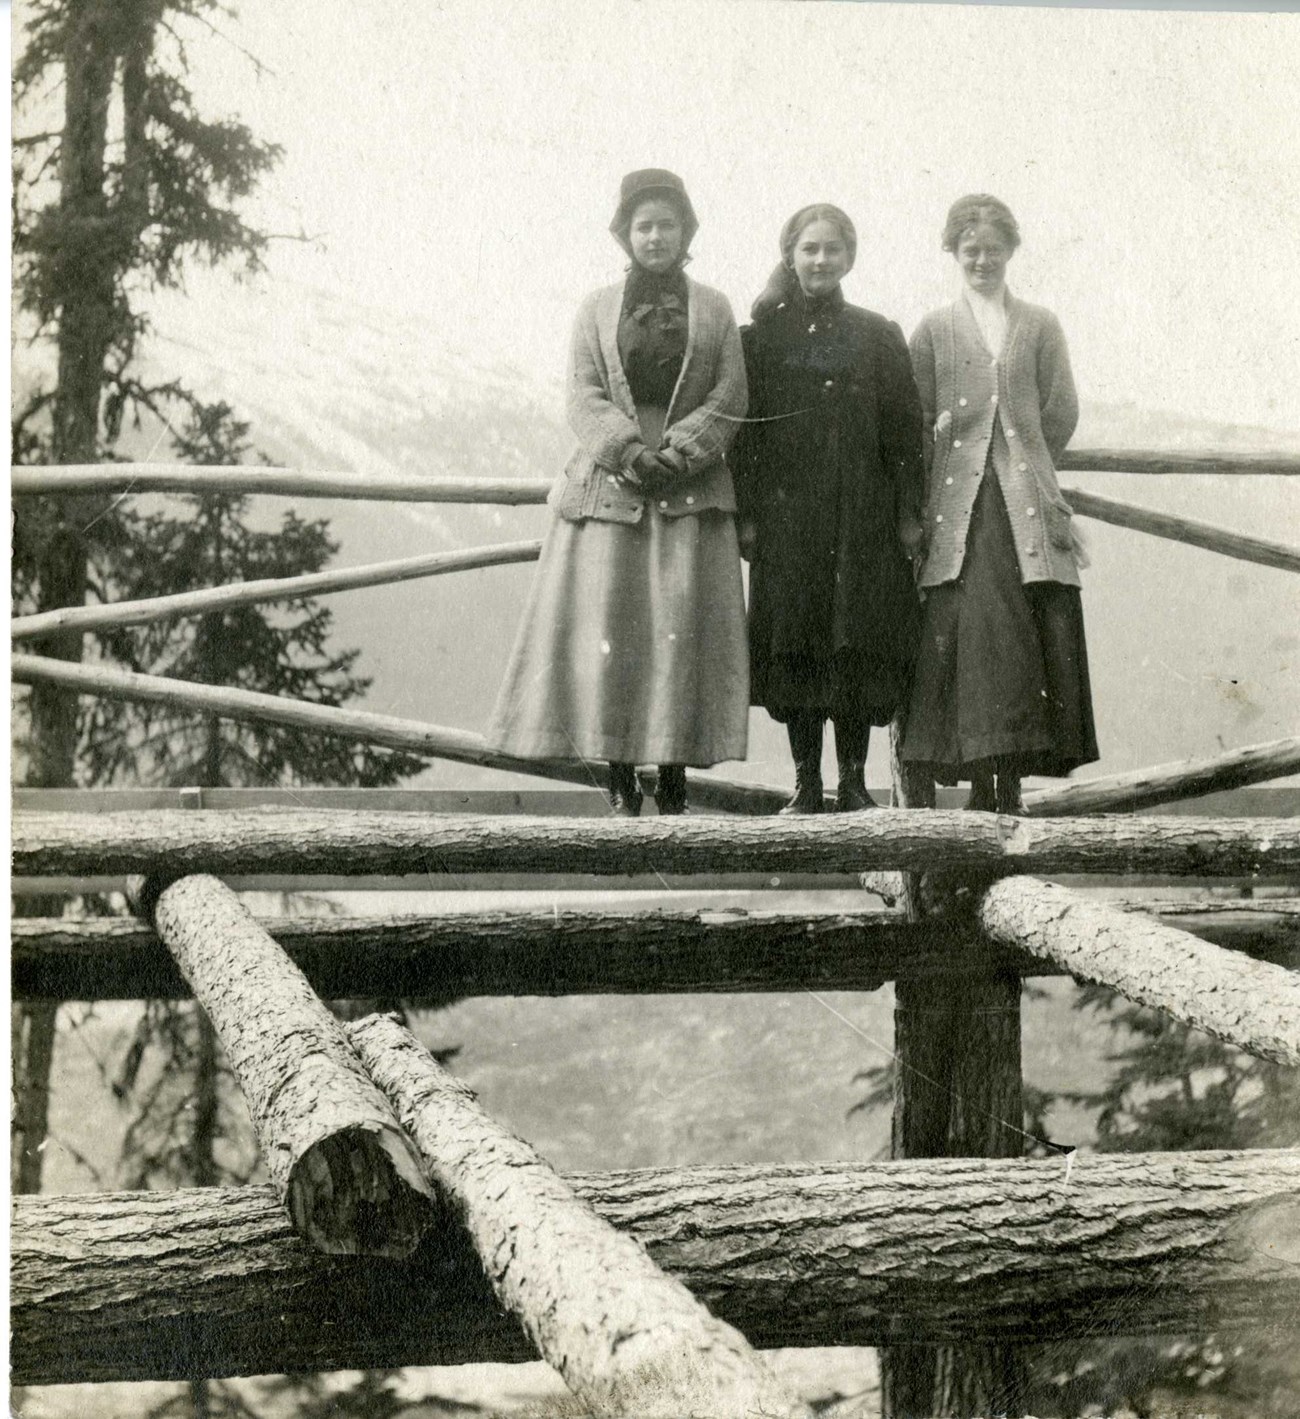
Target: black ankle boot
x,y
670,790
851,739
982,796
1008,797
624,792
805,731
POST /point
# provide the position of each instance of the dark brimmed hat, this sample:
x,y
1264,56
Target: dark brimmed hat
x,y
643,186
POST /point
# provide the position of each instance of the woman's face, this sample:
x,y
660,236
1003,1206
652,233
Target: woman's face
x,y
821,258
656,235
983,253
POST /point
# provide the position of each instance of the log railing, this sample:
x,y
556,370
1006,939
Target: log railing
x,y
917,1253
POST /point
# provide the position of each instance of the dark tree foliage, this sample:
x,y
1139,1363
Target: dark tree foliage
x,y
210,540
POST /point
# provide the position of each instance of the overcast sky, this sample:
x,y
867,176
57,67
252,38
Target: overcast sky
x,y
461,159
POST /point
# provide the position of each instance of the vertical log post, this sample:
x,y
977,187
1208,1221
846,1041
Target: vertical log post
x,y
957,1094
350,1178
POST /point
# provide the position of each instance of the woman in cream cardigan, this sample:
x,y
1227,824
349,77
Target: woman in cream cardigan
x,y
632,649
1001,686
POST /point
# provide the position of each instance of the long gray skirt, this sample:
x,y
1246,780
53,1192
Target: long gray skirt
x,y
632,648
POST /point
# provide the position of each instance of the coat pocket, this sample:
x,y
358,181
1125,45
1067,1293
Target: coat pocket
x,y
1058,517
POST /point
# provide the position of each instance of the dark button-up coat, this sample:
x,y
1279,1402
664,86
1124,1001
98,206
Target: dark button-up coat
x,y
829,471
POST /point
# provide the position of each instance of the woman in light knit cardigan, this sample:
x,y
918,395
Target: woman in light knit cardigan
x,y
632,649
1001,686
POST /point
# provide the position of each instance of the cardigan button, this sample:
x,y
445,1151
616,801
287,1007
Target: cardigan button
x,y
611,479
690,502
830,384
956,443
1023,467
1031,512
948,481
1011,433
962,402
663,502
938,517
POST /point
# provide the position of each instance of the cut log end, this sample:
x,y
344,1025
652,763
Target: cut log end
x,y
360,1192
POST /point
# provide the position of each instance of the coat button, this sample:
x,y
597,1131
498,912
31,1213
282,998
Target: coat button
x,y
962,402
1011,433
1031,512
690,502
948,481
938,517
611,479
956,443
830,384
1023,467
663,502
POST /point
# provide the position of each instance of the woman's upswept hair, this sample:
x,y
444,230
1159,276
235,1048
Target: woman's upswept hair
x,y
967,212
818,212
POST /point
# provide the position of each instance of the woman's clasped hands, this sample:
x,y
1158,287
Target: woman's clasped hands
x,y
651,472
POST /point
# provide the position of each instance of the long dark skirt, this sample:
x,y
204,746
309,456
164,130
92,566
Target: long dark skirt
x,y
848,683
1002,678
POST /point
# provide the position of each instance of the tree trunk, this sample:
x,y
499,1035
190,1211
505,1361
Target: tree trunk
x,y
356,844
626,1338
1247,1003
351,1180
948,1251
32,1038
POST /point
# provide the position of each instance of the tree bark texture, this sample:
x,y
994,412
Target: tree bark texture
x,y
33,1029
1168,783
355,843
254,593
538,951
1182,529
333,1148
1250,1004
213,1282
626,1338
957,1094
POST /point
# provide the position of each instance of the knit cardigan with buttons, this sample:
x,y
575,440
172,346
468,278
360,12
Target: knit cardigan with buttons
x,y
707,407
1023,407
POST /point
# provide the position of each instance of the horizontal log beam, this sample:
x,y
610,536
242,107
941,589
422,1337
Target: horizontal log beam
x,y
124,478
118,479
255,593
627,1339
1250,1004
212,1282
570,950
1168,783
349,1177
1183,529
413,737
1128,460
236,843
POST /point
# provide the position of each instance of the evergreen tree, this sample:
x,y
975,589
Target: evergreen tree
x,y
111,198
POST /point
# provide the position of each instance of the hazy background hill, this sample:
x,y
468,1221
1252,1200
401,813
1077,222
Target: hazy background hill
x,y
1190,652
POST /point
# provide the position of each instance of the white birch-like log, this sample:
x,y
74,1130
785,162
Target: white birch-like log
x,y
355,843
332,1145
1250,1004
209,1282
1206,535
625,1338
1168,783
255,593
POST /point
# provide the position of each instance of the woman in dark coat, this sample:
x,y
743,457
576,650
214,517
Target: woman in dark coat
x,y
829,476
1001,685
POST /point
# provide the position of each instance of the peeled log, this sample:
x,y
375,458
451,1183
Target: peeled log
x,y
212,1282
356,843
1248,1003
333,1148
1168,783
626,1338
